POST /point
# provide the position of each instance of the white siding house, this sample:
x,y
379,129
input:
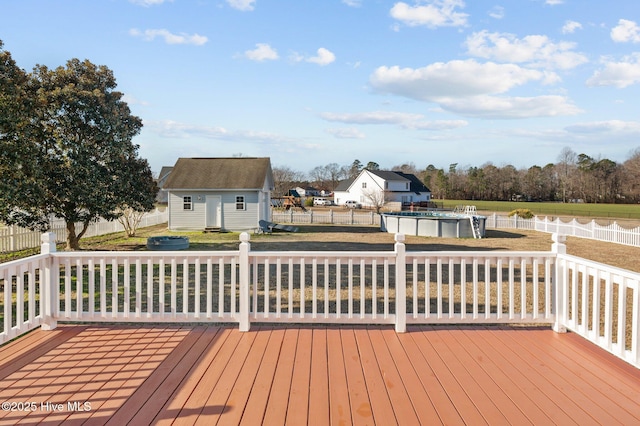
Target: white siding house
x,y
231,194
389,186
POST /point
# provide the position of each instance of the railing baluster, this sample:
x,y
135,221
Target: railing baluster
x,y
314,288
523,288
266,288
326,288
209,289
362,289
196,301
127,288
79,288
278,288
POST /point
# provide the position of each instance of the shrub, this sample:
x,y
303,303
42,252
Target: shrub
x,y
523,213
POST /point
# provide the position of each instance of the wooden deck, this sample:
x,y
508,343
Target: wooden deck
x,y
313,375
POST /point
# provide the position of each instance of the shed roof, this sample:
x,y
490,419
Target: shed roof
x,y
220,173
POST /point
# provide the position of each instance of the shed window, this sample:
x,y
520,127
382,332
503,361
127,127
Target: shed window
x,y
364,185
187,203
240,204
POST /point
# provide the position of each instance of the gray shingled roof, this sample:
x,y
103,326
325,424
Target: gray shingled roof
x,y
219,173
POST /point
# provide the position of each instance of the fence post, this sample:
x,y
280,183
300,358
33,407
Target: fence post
x,y
560,285
401,284
49,282
245,246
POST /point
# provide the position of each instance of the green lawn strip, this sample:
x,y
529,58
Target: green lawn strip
x,y
621,211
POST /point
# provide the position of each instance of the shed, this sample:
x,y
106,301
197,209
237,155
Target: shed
x,y
229,194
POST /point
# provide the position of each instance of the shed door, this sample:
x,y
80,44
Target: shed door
x,y
214,211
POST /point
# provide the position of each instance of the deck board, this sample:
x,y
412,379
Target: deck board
x,y
315,375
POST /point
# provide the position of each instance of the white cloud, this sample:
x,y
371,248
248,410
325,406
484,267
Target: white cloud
x,y
262,52
553,2
147,3
129,99
470,88
570,27
346,133
323,57
452,79
169,38
497,12
626,31
611,126
619,74
402,119
352,3
178,130
534,50
243,5
496,107
374,117
436,13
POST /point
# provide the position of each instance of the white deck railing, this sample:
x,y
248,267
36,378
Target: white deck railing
x,y
396,287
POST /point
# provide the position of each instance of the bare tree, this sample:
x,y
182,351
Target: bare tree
x,y
376,198
566,167
284,178
631,172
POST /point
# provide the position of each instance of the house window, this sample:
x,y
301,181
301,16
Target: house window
x,y
386,185
364,185
187,203
240,205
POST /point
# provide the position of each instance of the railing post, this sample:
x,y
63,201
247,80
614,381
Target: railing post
x,y
245,246
560,286
401,284
49,281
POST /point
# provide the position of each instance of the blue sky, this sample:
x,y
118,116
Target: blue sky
x,y
310,82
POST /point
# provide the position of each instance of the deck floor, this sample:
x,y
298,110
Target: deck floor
x,y
313,375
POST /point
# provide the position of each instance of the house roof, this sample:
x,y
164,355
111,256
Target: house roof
x,y
388,175
220,173
415,185
164,174
344,185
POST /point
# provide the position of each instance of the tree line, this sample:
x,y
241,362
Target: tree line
x,y
572,178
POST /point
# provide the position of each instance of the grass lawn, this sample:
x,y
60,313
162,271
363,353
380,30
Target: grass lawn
x,y
621,211
357,238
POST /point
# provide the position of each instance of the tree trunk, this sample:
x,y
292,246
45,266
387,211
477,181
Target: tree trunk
x,y
73,242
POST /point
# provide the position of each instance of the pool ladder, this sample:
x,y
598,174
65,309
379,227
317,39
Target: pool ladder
x,y
475,226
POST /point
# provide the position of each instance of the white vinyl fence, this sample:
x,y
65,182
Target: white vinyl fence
x,y
612,233
395,287
13,238
345,217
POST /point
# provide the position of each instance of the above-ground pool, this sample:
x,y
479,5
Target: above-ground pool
x,y
434,224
